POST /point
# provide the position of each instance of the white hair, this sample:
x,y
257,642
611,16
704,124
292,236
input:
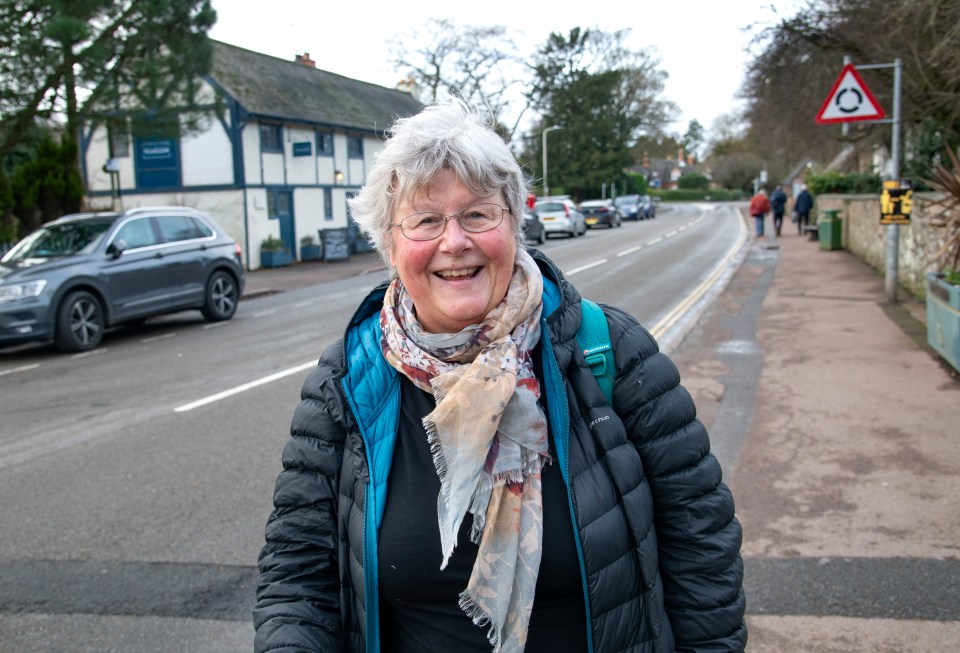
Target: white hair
x,y
450,135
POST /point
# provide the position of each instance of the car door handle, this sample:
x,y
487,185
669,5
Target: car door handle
x,y
158,255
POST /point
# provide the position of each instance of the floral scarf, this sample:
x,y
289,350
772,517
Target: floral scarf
x,y
489,442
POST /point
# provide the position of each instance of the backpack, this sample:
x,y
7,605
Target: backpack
x,y
593,338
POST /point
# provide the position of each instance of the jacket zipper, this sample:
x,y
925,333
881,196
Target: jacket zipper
x,y
372,639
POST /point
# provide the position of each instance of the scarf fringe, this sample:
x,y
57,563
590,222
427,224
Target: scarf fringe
x,y
481,619
436,451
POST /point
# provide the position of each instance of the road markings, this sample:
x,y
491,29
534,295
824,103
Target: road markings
x,y
88,354
244,387
671,234
215,325
306,303
264,313
165,336
586,267
22,368
657,330
671,318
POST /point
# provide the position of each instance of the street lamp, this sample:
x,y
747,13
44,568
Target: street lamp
x,y
546,187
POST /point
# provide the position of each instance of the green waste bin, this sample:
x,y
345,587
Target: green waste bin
x,y
830,230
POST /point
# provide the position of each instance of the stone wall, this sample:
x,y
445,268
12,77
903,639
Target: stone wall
x,y
865,237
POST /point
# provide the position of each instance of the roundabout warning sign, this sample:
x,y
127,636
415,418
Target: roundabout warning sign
x,y
849,100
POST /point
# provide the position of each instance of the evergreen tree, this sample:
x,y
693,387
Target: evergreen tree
x,y
49,186
63,58
605,96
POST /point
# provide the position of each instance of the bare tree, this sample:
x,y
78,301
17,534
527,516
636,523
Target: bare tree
x,y
477,63
801,56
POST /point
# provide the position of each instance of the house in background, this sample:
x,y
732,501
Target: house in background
x,y
287,146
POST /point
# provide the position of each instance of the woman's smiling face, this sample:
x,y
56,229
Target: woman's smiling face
x,y
456,279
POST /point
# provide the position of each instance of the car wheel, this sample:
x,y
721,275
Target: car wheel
x,y
222,297
79,322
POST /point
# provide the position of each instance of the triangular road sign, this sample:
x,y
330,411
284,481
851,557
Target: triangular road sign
x,y
849,100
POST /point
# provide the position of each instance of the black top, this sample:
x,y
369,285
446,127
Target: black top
x,y
419,608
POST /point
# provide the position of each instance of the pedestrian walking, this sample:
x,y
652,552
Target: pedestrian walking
x,y
778,204
457,479
803,205
759,207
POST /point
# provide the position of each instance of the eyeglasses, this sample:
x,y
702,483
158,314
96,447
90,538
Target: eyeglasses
x,y
475,219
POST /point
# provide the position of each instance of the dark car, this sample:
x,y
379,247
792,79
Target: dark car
x,y
648,207
600,212
74,277
629,207
533,228
636,207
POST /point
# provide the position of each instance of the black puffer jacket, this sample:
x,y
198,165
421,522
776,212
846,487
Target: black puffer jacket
x,y
656,530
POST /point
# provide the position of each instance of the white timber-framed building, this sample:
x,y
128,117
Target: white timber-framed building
x,y
288,145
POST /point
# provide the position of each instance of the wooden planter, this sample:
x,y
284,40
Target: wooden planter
x,y
275,258
943,318
310,252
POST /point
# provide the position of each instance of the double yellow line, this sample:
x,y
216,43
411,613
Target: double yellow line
x,y
671,318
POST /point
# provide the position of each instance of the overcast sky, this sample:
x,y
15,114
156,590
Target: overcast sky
x,y
701,43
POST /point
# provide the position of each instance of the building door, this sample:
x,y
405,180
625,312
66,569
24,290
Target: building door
x,y
280,207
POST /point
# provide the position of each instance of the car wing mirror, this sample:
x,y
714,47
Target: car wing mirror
x,y
116,248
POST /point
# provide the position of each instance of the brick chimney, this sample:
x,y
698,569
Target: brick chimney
x,y
646,159
409,85
305,60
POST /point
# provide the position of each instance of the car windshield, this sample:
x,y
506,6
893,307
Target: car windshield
x,y
59,240
548,206
623,201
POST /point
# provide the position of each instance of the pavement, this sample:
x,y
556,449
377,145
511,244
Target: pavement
x,y
838,429
267,281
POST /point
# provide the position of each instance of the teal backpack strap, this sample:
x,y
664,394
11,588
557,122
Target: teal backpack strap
x,y
593,338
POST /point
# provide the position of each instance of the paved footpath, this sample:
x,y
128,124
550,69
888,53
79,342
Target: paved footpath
x,y
839,432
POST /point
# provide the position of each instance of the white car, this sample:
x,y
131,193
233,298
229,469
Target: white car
x,y
560,216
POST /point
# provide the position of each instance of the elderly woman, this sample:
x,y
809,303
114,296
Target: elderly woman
x,y
456,480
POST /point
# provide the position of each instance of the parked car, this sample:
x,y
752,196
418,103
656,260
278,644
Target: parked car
x,y
600,212
629,207
560,215
72,278
648,207
533,228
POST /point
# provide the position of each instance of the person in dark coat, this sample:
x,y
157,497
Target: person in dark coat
x,y
778,204
803,205
456,479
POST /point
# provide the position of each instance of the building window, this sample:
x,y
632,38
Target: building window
x,y
327,204
355,147
119,139
271,138
324,143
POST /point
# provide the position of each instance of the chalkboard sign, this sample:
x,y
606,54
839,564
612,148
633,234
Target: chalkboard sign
x,y
336,244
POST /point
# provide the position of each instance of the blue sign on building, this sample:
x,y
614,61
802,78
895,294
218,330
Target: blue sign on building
x,y
303,148
157,163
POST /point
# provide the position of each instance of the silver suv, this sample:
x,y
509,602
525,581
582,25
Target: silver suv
x,y
560,215
72,278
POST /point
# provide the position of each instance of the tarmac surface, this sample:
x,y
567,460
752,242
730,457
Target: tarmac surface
x,y
838,429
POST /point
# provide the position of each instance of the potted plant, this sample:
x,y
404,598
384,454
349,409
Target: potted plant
x,y
273,253
309,249
943,284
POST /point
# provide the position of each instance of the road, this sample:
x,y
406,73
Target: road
x,y
136,479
